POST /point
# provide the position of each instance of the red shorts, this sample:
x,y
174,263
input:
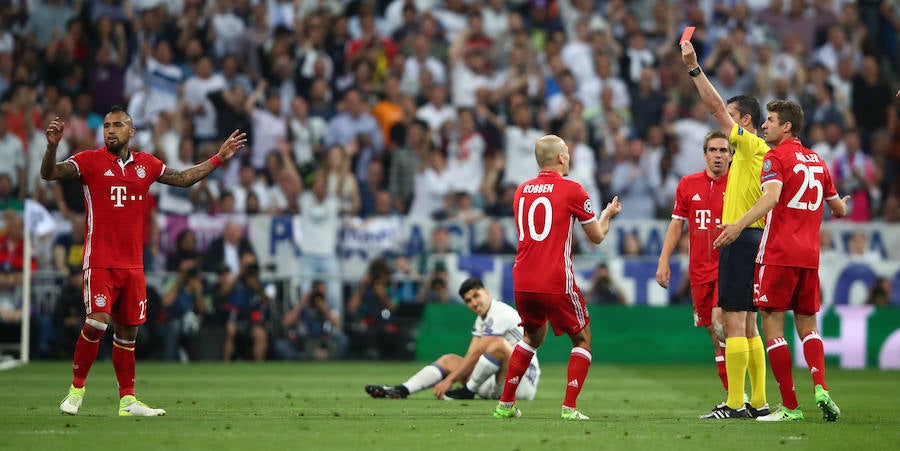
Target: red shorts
x,y
567,313
120,293
706,297
783,288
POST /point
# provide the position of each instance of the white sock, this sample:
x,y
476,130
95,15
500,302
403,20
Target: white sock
x,y
487,366
428,376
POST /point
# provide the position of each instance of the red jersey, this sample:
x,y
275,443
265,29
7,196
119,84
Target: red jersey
x,y
791,236
545,209
698,201
115,200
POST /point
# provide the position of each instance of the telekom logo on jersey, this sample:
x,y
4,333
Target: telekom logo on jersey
x,y
119,194
703,218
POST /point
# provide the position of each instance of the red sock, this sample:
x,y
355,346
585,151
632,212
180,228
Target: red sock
x,y
579,363
86,348
780,361
518,363
123,363
723,374
814,352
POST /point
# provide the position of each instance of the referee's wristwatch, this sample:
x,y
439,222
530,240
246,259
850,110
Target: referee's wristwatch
x,y
695,71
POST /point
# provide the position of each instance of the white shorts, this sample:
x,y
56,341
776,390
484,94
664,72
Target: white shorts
x,y
526,391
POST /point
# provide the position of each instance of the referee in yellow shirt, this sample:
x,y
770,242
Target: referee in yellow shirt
x,y
744,349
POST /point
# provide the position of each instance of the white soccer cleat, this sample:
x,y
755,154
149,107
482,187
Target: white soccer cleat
x,y
572,414
129,406
72,402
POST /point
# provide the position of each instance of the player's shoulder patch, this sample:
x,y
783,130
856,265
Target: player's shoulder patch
x,y
767,165
740,130
588,207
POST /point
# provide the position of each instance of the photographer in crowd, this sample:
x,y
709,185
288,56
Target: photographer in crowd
x,y
247,305
183,306
312,328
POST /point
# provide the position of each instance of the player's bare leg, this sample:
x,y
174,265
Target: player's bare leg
x,y
492,363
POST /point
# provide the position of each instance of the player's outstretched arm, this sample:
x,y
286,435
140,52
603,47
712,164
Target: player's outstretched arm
x,y
765,203
673,235
708,93
596,230
50,169
194,174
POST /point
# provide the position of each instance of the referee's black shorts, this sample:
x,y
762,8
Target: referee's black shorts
x,y
737,269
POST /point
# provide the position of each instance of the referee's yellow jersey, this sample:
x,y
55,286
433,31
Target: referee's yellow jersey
x,y
743,188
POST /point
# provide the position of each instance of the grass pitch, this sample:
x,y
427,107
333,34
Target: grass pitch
x,y
323,406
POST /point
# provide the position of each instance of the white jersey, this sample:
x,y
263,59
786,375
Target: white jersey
x,y
501,320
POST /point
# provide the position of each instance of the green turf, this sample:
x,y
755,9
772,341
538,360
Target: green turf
x,y
323,406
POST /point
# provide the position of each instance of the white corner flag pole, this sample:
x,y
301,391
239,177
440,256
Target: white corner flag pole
x,y
24,347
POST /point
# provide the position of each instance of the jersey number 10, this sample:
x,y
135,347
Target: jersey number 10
x,y
532,231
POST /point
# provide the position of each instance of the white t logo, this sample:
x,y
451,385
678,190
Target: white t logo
x,y
117,195
702,218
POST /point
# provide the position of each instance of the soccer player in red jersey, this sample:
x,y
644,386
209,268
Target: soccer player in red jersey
x,y
115,183
698,202
795,180
546,208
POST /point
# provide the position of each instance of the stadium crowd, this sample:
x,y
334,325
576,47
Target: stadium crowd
x,y
418,108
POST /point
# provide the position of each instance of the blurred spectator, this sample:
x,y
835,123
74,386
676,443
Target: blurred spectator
x,y
312,328
374,184
603,289
196,98
319,223
421,60
68,314
465,155
432,184
635,182
68,250
872,97
828,251
880,293
12,161
305,134
858,250
436,112
434,289
519,147
185,252
247,305
183,307
358,130
230,250
372,333
339,180
405,162
495,242
631,246
854,174
268,125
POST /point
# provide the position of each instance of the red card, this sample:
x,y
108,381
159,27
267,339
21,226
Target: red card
x,y
686,36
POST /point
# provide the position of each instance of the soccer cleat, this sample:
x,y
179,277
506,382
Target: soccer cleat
x,y
72,403
129,406
783,414
756,413
458,393
572,414
504,412
830,410
385,391
723,412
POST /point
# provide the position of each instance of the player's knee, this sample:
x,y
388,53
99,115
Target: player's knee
x,y
98,318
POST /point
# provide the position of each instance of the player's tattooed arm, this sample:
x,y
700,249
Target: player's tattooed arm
x,y
192,175
50,169
188,176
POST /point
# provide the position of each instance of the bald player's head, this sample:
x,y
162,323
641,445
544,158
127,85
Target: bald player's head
x,y
547,152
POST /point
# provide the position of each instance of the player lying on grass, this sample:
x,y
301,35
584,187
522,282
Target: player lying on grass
x,y
495,332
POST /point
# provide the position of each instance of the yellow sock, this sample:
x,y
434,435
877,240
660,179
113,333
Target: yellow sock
x,y
757,370
737,356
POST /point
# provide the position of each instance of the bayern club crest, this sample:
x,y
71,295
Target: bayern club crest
x,y
141,171
100,300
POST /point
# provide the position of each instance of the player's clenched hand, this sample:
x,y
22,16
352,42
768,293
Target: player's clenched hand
x,y
663,273
55,131
729,233
234,143
612,208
